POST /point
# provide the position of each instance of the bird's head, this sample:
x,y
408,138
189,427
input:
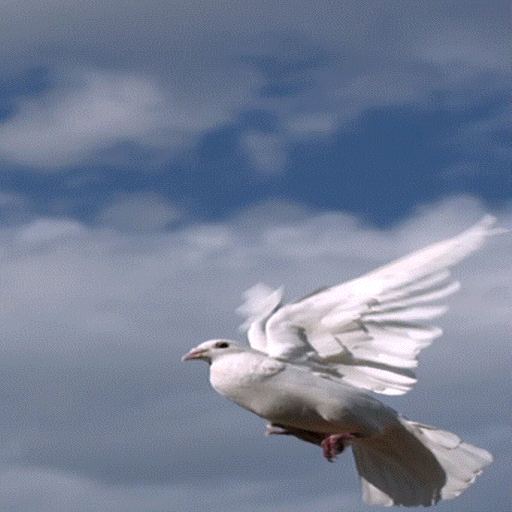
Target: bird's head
x,y
211,349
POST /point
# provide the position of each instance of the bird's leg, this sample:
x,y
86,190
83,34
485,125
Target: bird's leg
x,y
335,444
276,430
331,445
304,435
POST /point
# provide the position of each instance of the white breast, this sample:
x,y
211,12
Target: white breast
x,y
240,376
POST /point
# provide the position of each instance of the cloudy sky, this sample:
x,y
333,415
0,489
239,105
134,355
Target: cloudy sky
x,y
158,158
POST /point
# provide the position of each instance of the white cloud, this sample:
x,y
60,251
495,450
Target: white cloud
x,y
35,490
93,113
266,151
94,322
310,125
139,212
381,87
108,269
43,230
188,67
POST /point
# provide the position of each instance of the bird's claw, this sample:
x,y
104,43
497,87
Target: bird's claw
x,y
334,445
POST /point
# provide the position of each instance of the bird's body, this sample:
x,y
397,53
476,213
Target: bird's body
x,y
292,396
311,364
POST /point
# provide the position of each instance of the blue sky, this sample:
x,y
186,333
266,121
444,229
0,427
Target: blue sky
x,y
158,159
379,167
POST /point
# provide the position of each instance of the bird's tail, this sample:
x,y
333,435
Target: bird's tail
x,y
414,464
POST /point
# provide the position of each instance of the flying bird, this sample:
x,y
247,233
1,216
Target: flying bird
x,y
312,364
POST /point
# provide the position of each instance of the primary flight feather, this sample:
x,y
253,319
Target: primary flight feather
x,y
311,363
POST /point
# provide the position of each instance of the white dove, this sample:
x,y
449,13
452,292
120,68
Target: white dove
x,y
312,362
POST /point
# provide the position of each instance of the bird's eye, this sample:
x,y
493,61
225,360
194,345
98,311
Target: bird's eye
x,y
221,344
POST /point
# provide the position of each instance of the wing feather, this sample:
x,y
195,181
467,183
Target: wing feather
x,y
260,302
368,331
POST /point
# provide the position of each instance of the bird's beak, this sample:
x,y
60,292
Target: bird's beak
x,y
194,354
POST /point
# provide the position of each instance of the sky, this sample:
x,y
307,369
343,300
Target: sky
x,y
159,158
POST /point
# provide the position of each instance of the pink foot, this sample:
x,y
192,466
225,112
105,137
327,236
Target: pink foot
x,y
335,444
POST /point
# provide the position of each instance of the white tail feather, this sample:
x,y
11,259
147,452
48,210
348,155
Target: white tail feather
x,y
414,464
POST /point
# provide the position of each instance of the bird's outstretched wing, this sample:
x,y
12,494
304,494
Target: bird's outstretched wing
x,y
368,331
